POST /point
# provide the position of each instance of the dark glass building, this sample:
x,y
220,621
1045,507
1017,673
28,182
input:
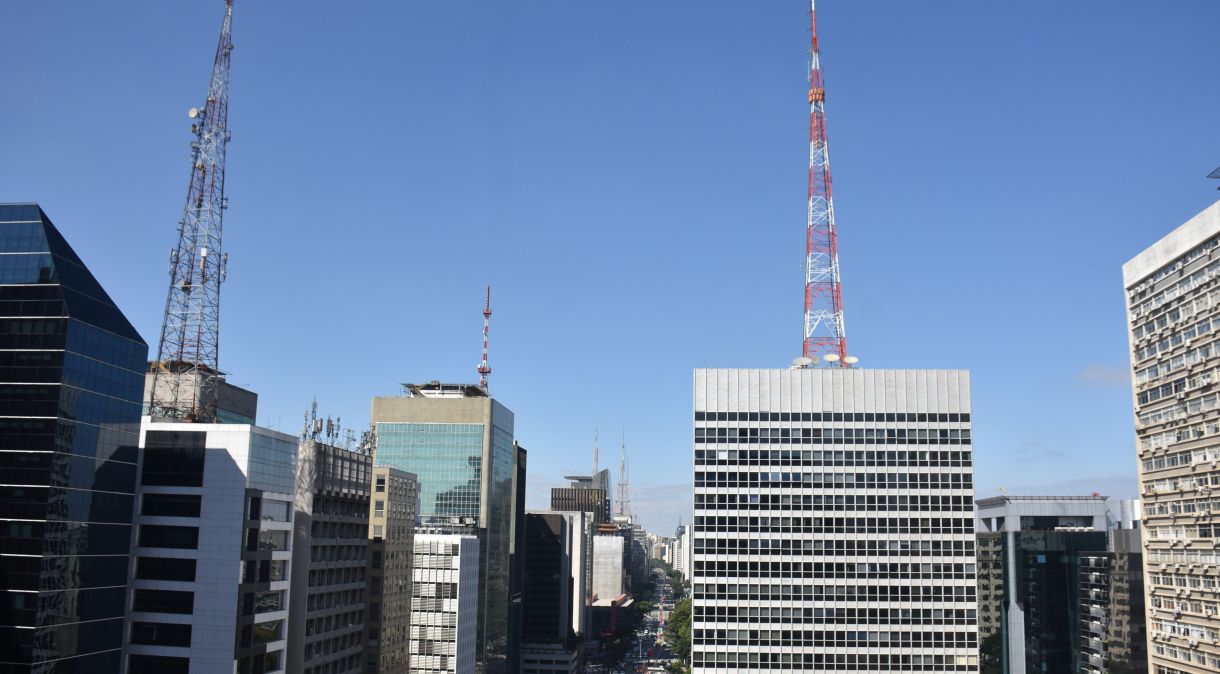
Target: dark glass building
x,y
71,378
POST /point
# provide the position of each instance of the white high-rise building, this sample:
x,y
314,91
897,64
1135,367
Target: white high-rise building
x,y
834,521
444,603
1173,313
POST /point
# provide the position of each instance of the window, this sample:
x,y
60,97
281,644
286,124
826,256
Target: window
x,y
380,484
161,568
378,532
174,458
163,601
171,505
277,511
266,632
161,536
161,634
379,508
157,664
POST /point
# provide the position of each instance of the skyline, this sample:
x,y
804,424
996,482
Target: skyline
x,y
702,126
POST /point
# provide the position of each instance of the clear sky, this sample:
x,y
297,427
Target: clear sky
x,y
630,178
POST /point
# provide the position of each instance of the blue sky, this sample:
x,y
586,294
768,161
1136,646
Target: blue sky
x,y
629,177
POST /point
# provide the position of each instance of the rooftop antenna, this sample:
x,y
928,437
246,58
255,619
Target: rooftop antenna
x,y
825,334
187,371
624,491
593,476
484,368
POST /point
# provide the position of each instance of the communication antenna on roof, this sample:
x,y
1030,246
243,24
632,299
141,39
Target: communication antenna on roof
x,y
593,475
484,368
624,491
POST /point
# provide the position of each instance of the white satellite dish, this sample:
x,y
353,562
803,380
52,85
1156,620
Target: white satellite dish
x,y
851,360
831,357
802,361
192,113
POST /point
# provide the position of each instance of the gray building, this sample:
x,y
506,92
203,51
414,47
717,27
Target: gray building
x,y
1173,310
326,627
70,374
444,603
608,572
834,521
459,443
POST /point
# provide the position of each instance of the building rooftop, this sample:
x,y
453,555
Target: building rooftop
x,y
436,389
997,500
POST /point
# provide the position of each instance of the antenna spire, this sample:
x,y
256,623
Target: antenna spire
x,y
825,334
187,371
624,490
484,368
593,475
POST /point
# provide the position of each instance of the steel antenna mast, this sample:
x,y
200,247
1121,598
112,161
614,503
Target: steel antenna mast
x,y
825,335
186,374
484,368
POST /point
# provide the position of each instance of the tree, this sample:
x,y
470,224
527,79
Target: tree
x,y
677,630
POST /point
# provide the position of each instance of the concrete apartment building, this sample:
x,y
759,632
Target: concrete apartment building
x,y
210,582
326,627
392,514
834,521
459,444
1173,313
444,603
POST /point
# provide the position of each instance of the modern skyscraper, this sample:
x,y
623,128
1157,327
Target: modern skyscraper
x,y
326,627
1113,634
834,521
1173,314
71,367
1030,564
213,554
444,603
459,442
391,541
548,640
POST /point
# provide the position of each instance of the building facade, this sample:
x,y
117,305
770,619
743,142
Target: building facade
x,y
1032,551
549,642
834,521
210,584
609,551
1113,634
444,603
459,444
1173,310
391,543
326,627
70,376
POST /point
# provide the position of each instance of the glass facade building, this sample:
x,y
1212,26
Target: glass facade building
x,y
461,449
71,377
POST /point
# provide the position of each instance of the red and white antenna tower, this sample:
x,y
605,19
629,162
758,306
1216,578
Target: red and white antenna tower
x,y
825,335
484,368
623,507
186,375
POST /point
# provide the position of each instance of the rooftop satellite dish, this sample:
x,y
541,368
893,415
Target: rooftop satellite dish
x,y
802,361
831,357
192,113
851,360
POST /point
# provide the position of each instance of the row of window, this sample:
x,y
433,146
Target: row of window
x,y
835,661
1179,459
833,436
866,502
888,570
918,417
841,639
1198,278
1180,410
784,479
1186,655
1196,582
799,457
835,525
835,616
1175,435
1167,366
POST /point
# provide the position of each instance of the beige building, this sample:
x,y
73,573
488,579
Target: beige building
x,y
1173,312
393,508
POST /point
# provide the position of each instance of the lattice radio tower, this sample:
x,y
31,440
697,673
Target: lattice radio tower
x,y
484,367
624,489
825,335
186,375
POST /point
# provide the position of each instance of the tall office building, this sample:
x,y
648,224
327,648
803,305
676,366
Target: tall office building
x,y
1113,634
444,603
834,521
326,627
548,640
459,443
71,366
1030,562
391,541
213,550
1173,312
